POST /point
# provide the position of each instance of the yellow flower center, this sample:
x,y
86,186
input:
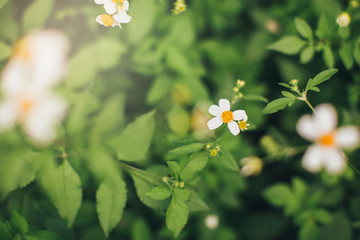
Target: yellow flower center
x,y
327,139
242,125
21,49
213,153
107,20
227,116
26,105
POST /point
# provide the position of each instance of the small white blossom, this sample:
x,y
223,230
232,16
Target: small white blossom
x,y
113,6
113,20
343,20
212,221
320,128
223,114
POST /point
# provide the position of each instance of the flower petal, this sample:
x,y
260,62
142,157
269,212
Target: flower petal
x,y
215,110
240,115
234,128
8,115
312,159
334,161
99,1
325,119
347,137
224,105
307,128
110,7
214,123
122,17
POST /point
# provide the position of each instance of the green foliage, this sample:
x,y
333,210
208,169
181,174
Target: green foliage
x,y
37,14
287,45
5,51
178,212
185,149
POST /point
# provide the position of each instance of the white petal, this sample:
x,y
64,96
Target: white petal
x,y
347,137
325,119
8,115
307,128
126,5
99,20
334,161
224,105
15,77
240,115
215,110
214,123
312,159
234,128
110,7
122,17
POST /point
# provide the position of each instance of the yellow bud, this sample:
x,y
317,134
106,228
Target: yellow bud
x,y
236,89
217,148
240,83
177,184
251,166
213,153
294,82
354,4
182,184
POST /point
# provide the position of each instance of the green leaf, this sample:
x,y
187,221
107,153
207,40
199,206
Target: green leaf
x,y
193,147
179,120
108,52
299,188
5,51
158,90
277,194
36,15
322,215
288,45
307,54
133,143
323,30
63,186
19,223
227,159
357,51
42,235
82,67
277,105
159,193
321,77
111,199
110,116
328,57
196,163
316,89
338,228
309,231
288,94
174,168
345,53
303,28
5,232
195,203
177,213
140,230
255,98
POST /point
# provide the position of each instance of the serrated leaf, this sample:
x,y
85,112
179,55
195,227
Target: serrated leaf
x,y
111,199
5,51
196,163
255,98
189,148
36,15
321,77
303,28
63,186
19,223
288,94
287,45
177,214
159,193
328,57
133,143
277,105
307,54
227,159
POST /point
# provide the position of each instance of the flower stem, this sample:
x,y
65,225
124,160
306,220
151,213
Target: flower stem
x,y
131,168
353,168
308,103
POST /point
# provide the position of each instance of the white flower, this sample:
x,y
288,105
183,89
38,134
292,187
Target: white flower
x,y
212,221
328,141
223,114
113,6
38,60
343,20
37,112
113,20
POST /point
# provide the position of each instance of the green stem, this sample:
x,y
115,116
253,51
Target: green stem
x,y
353,168
308,103
139,170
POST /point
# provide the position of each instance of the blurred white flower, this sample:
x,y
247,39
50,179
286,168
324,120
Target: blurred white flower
x,y
343,20
223,114
251,166
37,112
212,221
113,20
113,6
328,141
38,61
